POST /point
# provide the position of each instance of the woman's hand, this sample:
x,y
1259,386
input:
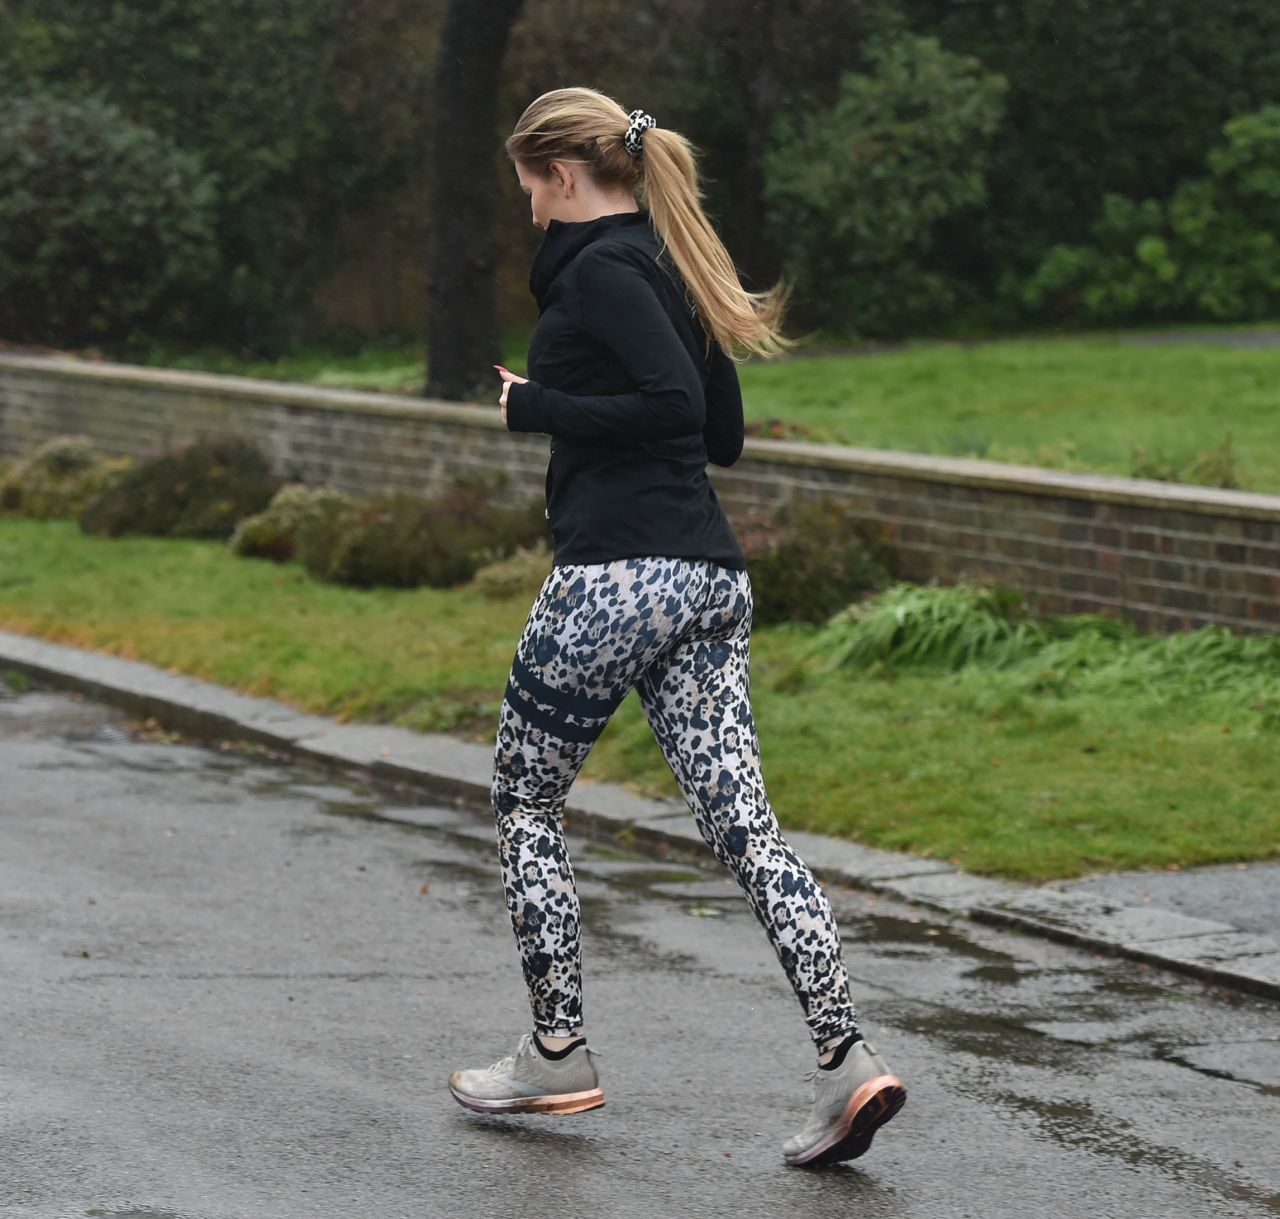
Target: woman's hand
x,y
508,379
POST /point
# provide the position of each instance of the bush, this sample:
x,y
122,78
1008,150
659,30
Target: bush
x,y
521,575
855,192
946,627
198,491
264,91
1215,467
987,633
404,541
105,227
810,559
778,429
1094,88
1211,251
273,533
58,479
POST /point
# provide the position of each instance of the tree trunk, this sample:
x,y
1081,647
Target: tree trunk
x,y
462,328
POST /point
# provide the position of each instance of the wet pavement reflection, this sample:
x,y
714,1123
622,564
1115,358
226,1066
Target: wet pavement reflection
x,y
235,987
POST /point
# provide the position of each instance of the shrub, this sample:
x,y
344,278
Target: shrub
x,y
273,533
855,192
947,627
200,490
58,479
262,89
105,227
1215,467
1109,75
986,635
778,429
809,559
317,536
405,540
520,575
1210,251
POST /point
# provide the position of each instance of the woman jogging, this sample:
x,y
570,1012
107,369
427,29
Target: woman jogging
x,y
639,307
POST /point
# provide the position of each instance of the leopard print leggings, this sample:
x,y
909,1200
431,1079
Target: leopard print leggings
x,y
678,631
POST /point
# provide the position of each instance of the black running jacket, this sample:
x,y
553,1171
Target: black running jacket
x,y
622,381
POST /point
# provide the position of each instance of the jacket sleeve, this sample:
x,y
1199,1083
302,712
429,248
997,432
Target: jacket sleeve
x,y
724,430
619,308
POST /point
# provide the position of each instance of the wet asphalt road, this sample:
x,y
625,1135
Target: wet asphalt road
x,y
229,989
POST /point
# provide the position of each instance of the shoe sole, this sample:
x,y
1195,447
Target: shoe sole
x,y
562,1103
866,1111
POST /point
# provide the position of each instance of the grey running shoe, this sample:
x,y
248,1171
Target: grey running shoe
x,y
849,1105
525,1082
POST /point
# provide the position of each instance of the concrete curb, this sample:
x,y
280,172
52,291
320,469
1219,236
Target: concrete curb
x,y
459,772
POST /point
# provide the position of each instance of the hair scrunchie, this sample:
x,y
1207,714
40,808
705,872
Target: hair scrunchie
x,y
638,124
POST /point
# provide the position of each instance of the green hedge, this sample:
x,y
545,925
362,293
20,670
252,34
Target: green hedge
x,y
248,88
404,541
810,558
58,479
200,490
106,228
1104,98
1211,250
856,190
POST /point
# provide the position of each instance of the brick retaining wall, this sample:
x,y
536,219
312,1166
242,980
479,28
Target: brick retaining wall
x,y
1166,556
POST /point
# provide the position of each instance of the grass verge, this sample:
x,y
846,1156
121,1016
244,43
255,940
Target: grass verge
x,y
997,779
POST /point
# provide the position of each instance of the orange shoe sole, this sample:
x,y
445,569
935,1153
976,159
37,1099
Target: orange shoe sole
x,y
873,1104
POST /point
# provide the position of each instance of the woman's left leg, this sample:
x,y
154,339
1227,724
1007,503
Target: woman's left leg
x,y
592,631
698,703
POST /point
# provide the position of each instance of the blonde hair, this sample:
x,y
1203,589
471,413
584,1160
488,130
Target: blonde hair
x,y
585,125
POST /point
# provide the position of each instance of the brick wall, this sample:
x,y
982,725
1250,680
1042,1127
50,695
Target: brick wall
x,y
1164,555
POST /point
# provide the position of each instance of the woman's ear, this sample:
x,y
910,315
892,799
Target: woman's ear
x,y
564,178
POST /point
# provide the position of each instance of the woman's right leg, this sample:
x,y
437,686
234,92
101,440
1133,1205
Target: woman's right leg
x,y
698,703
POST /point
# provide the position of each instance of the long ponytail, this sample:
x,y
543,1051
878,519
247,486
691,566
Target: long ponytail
x,y
579,124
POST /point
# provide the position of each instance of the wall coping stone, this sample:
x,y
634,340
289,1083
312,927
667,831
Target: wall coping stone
x,y
971,472
285,392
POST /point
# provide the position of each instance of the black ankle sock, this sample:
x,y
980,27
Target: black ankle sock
x,y
841,1050
555,1055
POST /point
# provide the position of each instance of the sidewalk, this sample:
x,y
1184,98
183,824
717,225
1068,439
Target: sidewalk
x,y
1220,924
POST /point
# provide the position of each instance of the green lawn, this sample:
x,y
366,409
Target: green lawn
x,y
1079,403
954,766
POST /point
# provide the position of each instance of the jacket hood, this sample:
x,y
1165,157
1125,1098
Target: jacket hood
x,y
564,240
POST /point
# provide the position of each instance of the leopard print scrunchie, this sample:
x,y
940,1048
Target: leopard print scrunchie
x,y
633,140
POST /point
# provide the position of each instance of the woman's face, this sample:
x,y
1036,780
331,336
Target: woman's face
x,y
546,195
